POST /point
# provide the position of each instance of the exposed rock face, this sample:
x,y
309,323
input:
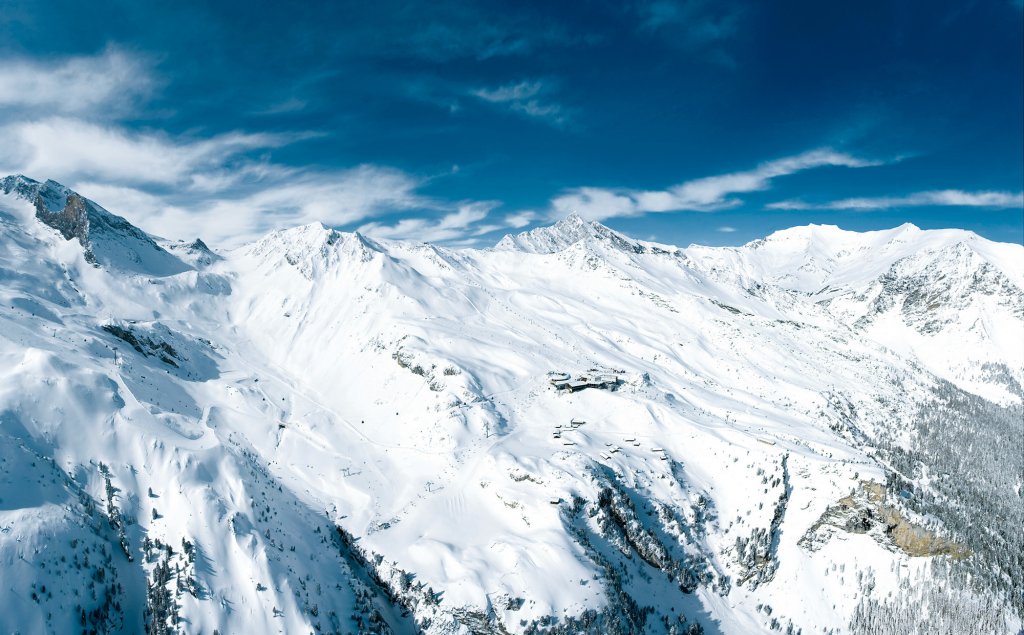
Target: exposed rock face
x,y
145,345
107,239
865,511
189,358
71,222
931,288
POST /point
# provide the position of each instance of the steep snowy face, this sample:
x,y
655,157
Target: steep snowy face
x,y
323,432
130,492
569,231
546,240
312,249
196,253
108,240
951,307
933,288
948,298
813,258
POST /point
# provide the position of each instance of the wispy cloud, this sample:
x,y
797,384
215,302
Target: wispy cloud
x,y
938,198
226,187
283,198
726,229
707,194
701,21
444,32
108,83
453,225
73,149
520,219
699,26
526,98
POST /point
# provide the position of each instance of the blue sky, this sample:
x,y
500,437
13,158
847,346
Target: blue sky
x,y
678,121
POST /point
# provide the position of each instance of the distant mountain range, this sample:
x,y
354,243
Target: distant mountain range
x,y
819,431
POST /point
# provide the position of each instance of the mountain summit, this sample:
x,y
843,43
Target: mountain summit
x,y
108,239
574,432
567,232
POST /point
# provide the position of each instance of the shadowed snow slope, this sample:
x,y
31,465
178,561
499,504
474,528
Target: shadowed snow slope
x,y
319,431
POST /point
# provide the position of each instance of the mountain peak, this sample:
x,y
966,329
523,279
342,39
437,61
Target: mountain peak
x,y
575,220
834,236
565,233
108,240
312,247
396,393
314,236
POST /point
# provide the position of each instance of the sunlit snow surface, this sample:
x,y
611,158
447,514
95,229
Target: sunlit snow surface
x,y
400,391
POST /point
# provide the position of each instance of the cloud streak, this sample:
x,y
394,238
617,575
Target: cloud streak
x,y
62,122
284,198
937,198
453,225
108,83
708,194
526,98
697,20
70,149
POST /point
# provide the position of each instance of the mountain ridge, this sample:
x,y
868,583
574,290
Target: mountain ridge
x,y
108,240
349,435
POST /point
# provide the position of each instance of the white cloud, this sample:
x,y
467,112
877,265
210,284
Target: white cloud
x,y
183,188
520,219
707,194
101,84
941,198
510,93
702,28
60,125
451,226
526,98
288,199
726,229
69,149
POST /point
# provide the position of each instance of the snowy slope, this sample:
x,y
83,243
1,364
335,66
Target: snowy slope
x,y
107,239
320,431
947,298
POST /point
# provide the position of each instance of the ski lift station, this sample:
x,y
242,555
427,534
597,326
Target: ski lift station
x,y
593,378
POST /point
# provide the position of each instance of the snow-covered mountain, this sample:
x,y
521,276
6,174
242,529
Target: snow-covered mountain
x,y
320,432
948,298
106,238
569,231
